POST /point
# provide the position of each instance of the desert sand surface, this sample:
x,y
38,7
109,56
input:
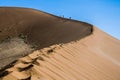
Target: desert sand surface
x,y
93,57
40,29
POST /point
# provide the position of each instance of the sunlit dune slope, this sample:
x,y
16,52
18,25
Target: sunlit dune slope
x,y
96,57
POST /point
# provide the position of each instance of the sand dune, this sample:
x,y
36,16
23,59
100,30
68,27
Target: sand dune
x,y
39,30
93,57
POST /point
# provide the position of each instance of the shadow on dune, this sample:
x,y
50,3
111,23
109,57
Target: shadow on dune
x,y
40,28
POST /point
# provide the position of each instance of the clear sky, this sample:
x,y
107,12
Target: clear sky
x,y
104,14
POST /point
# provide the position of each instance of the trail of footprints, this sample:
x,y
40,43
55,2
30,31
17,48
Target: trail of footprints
x,y
22,67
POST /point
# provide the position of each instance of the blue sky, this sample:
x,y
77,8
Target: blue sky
x,y
104,14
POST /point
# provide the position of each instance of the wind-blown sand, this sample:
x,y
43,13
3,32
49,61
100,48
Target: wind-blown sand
x,y
94,57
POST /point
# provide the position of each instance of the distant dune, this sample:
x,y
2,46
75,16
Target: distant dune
x,y
65,49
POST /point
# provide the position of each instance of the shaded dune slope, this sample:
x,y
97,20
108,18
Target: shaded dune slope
x,y
95,57
40,28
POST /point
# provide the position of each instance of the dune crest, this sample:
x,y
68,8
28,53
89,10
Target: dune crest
x,y
40,28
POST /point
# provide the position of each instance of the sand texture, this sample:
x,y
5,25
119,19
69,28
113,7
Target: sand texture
x,y
91,58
